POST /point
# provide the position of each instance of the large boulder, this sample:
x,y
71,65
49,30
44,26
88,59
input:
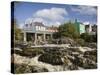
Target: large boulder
x,y
92,55
30,52
91,45
89,64
21,68
51,59
24,68
73,67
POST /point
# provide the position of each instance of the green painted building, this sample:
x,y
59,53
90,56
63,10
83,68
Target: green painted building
x,y
80,27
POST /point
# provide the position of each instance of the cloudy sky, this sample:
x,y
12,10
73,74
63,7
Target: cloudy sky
x,y
54,14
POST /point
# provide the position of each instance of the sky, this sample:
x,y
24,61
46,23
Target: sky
x,y
53,14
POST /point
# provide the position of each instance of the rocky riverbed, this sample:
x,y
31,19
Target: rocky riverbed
x,y
50,59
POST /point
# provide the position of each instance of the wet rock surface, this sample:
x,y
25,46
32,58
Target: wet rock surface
x,y
28,52
51,59
23,68
48,59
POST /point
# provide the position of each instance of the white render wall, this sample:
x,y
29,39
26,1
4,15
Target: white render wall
x,y
40,28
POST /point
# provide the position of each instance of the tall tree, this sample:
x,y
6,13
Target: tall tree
x,y
68,30
17,31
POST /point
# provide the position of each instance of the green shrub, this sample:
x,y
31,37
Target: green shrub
x,y
89,38
80,42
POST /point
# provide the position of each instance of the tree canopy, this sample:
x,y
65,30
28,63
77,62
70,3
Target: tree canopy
x,y
68,30
17,31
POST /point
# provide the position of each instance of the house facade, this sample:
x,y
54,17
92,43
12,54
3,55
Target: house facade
x,y
80,27
83,28
37,32
88,28
91,29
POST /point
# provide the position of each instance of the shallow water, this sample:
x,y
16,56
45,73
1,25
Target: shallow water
x,y
34,62
51,68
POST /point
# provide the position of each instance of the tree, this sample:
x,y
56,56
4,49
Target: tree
x,y
68,30
17,31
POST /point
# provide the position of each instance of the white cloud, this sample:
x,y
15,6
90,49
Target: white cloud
x,y
88,10
38,20
51,14
86,23
45,22
57,23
